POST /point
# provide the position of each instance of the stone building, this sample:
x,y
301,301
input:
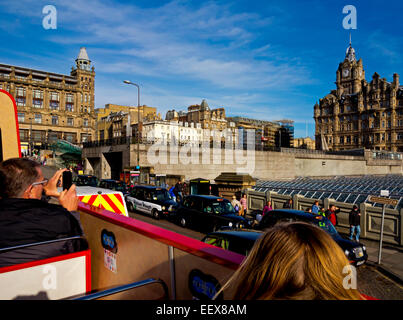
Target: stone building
x,y
52,106
360,114
304,143
209,119
116,121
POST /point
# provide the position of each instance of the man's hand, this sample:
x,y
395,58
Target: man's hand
x,y
51,186
68,198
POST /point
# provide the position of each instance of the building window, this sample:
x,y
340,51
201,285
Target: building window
x,y
70,137
70,122
85,122
69,107
341,139
69,102
24,135
20,92
21,117
69,98
20,101
36,103
54,96
55,120
38,135
38,118
85,137
54,105
37,94
37,98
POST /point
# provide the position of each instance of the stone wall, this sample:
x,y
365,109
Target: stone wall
x,y
370,216
208,164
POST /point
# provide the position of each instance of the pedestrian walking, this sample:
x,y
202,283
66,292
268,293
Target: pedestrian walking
x,y
331,214
237,205
268,207
178,191
172,193
315,207
244,204
288,204
354,219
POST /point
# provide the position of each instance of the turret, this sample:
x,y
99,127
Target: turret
x,y
82,61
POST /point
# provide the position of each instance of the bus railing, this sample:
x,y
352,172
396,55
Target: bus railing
x,y
123,288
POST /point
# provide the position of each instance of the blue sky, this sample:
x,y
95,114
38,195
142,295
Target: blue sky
x,y
261,59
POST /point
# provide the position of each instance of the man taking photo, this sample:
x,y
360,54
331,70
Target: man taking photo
x,y
26,219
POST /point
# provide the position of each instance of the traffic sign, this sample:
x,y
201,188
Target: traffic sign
x,y
383,200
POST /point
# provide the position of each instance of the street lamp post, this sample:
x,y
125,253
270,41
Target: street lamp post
x,y
30,137
138,119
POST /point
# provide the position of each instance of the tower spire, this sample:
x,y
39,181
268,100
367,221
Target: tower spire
x,y
350,52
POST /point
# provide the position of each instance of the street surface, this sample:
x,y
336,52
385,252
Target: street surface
x,y
369,280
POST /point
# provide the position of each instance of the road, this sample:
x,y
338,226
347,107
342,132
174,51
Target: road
x,y
369,280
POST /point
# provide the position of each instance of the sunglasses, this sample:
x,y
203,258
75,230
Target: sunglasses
x,y
43,182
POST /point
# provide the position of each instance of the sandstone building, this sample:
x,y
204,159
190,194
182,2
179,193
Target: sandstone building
x,y
115,121
52,106
360,114
209,119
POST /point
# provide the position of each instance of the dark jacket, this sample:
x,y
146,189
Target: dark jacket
x,y
178,188
27,221
287,205
354,218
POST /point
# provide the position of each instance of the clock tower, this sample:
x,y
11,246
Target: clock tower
x,y
350,74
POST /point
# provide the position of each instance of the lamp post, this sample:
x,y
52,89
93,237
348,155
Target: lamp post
x,y
138,119
30,137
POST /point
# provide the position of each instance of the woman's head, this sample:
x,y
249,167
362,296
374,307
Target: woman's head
x,y
293,261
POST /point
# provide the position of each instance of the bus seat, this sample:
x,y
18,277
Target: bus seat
x,y
51,278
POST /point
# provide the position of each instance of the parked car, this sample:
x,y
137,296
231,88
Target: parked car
x,y
239,241
355,252
85,180
116,185
151,200
209,213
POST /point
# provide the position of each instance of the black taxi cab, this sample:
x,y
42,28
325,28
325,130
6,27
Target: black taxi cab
x,y
209,213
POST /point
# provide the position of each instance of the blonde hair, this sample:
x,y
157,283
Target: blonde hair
x,y
292,261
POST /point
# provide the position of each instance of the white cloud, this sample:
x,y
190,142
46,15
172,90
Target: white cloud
x,y
176,40
206,45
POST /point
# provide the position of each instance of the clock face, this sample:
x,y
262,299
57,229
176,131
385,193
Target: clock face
x,y
345,73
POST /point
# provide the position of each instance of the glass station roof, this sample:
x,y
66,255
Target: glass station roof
x,y
354,190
